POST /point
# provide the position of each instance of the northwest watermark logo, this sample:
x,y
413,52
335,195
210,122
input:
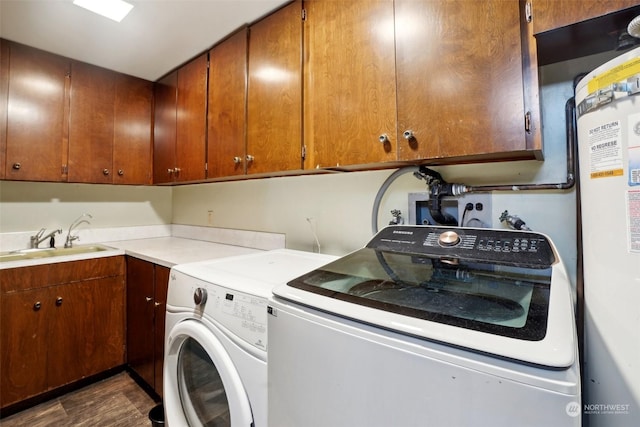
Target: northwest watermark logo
x,y
574,409
605,409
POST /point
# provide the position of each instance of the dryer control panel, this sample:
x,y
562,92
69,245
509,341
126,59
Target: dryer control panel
x,y
477,244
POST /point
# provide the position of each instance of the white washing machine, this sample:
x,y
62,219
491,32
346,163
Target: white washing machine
x,y
428,326
215,365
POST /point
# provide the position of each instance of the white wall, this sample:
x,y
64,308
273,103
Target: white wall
x,y
26,206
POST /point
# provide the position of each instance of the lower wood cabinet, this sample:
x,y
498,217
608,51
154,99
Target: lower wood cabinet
x,y
147,285
59,323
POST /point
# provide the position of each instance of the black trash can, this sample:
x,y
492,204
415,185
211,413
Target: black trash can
x,y
156,415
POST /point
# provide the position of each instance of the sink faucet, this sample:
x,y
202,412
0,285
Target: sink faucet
x,y
69,242
39,238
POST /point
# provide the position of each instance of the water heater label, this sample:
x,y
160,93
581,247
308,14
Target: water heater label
x,y
605,152
633,217
616,75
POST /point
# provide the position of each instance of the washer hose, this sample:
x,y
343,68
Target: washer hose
x,y
383,189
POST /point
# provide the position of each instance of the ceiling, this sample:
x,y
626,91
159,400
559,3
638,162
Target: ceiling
x,y
154,38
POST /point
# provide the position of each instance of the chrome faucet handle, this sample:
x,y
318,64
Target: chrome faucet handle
x,y
35,239
69,242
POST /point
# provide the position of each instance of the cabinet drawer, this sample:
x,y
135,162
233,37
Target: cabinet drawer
x,y
39,276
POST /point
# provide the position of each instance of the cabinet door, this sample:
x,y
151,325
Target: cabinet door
x,y
132,137
164,132
4,92
160,306
86,335
350,88
274,104
140,312
36,114
23,361
459,79
191,120
226,142
552,14
91,124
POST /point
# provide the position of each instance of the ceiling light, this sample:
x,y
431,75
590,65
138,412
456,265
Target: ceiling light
x,y
112,9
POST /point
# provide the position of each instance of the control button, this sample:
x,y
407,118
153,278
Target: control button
x,y
449,238
200,296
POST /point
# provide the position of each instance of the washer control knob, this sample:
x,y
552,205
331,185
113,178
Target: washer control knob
x,y
200,296
449,238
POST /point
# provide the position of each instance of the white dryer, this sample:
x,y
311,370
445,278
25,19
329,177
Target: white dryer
x,y
428,326
215,365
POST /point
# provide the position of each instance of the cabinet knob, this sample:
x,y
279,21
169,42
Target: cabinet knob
x,y
16,166
176,171
170,171
37,306
148,299
59,301
120,172
237,160
384,138
408,135
250,158
105,172
157,304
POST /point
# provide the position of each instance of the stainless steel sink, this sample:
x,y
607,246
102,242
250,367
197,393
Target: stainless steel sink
x,y
24,254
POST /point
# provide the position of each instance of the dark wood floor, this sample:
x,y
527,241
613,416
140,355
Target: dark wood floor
x,y
116,401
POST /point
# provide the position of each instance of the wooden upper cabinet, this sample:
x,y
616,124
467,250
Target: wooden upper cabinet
x,y
191,114
36,120
552,14
460,80
274,104
65,120
91,124
109,127
132,131
350,85
226,142
164,132
180,124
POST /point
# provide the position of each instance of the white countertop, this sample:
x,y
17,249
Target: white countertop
x,y
166,245
169,251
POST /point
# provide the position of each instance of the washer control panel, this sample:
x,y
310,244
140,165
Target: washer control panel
x,y
478,244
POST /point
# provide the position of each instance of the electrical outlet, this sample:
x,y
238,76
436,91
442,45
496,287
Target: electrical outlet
x,y
479,216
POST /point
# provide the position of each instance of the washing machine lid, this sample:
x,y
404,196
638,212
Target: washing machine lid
x,y
489,290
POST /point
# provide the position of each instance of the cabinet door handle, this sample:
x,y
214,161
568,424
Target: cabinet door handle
x,y
170,171
157,304
408,135
120,172
37,306
105,172
59,301
384,138
148,299
16,166
250,158
237,160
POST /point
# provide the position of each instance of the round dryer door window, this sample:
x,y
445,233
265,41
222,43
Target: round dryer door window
x,y
202,386
201,390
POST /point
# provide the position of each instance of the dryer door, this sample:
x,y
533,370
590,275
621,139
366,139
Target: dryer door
x,y
202,386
